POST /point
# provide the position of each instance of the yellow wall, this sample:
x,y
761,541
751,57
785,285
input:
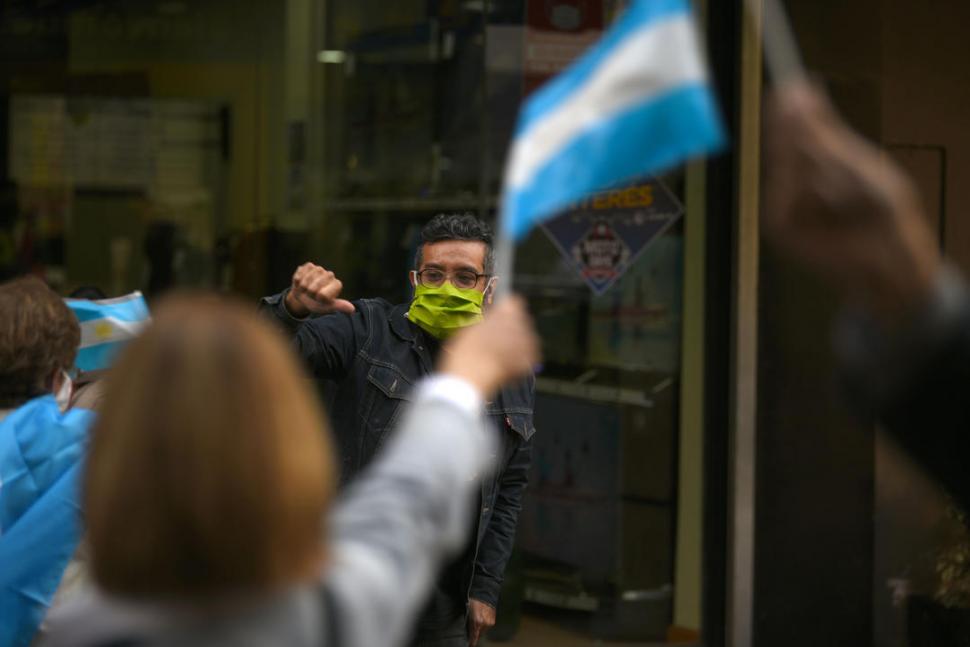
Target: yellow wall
x,y
230,51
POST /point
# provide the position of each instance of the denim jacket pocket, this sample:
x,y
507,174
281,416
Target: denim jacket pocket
x,y
521,424
390,381
387,393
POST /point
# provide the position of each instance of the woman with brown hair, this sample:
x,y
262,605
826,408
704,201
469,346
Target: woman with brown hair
x,y
209,482
41,451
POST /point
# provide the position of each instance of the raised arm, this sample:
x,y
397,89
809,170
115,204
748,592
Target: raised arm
x,y
327,343
838,206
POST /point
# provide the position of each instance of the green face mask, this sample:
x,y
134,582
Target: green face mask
x,y
444,310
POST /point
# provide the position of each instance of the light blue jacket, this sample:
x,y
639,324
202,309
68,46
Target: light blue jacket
x,y
41,452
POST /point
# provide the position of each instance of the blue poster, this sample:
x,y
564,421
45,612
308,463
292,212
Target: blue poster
x,y
604,234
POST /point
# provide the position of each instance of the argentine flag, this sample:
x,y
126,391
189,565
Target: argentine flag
x,y
636,103
106,326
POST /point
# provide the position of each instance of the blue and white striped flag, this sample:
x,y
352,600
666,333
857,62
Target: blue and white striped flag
x,y
106,326
636,103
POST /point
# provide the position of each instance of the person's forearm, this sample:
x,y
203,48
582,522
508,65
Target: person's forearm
x,y
292,305
274,306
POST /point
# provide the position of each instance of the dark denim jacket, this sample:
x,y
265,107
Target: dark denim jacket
x,y
373,358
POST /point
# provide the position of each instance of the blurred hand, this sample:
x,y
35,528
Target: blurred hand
x,y
501,348
834,203
315,290
481,618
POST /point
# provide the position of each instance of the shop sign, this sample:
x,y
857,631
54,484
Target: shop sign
x,y
604,234
556,33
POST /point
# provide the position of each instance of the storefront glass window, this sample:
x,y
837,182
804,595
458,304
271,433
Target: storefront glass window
x,y
219,144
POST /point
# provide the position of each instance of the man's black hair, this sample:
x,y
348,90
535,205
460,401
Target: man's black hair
x,y
457,226
91,292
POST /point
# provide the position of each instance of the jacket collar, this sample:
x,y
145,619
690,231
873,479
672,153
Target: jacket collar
x,y
400,324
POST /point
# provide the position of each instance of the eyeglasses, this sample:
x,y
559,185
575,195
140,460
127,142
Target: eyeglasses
x,y
432,278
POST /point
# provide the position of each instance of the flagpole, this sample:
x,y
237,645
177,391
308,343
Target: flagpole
x,y
504,259
782,58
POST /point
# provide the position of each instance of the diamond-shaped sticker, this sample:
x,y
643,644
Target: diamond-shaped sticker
x,y
604,234
601,254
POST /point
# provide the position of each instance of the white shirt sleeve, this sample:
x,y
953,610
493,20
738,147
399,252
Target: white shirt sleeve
x,y
453,390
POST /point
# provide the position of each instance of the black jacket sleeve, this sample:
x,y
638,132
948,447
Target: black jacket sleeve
x,y
916,382
499,535
328,343
930,414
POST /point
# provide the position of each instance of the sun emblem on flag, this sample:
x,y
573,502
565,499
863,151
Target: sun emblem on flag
x,y
103,330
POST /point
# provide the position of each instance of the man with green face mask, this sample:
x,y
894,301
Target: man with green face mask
x,y
372,352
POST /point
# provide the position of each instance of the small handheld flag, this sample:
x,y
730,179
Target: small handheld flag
x,y
106,326
638,102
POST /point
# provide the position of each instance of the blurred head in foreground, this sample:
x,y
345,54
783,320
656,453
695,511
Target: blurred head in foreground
x,y
210,470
